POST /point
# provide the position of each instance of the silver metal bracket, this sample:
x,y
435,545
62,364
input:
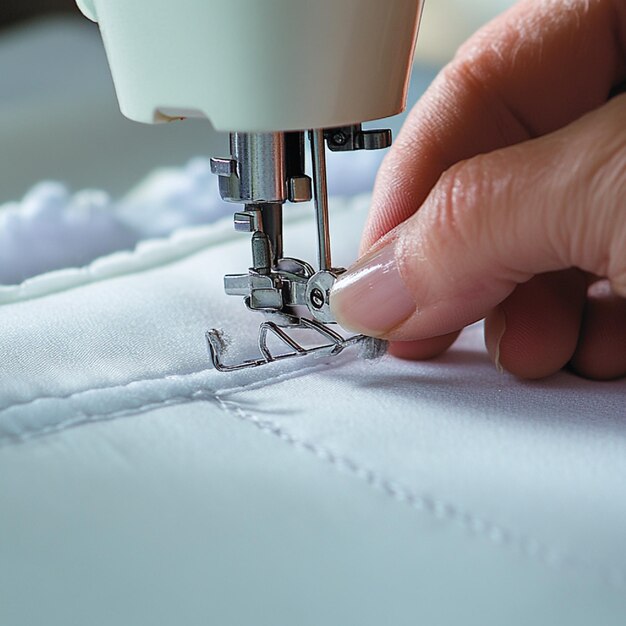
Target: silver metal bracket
x,y
348,138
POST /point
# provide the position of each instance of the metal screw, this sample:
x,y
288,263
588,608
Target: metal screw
x,y
339,139
317,298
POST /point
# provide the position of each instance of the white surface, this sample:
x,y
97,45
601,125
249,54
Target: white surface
x,y
52,229
254,66
438,492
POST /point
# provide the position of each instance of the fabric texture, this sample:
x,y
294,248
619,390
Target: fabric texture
x,y
305,492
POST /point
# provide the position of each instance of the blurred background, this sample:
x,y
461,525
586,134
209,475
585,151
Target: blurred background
x,y
59,116
13,11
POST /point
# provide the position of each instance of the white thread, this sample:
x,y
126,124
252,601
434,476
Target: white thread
x,y
173,377
442,510
445,511
126,385
83,417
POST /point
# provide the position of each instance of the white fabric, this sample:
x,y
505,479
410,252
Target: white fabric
x,y
310,492
60,230
50,230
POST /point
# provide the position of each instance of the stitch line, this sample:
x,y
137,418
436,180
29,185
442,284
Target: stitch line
x,y
83,417
166,377
76,394
439,509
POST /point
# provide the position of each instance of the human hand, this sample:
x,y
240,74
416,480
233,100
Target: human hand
x,y
516,160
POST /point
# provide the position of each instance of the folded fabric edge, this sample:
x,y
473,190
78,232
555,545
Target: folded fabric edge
x,y
148,254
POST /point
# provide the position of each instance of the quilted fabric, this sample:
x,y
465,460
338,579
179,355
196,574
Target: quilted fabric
x,y
137,485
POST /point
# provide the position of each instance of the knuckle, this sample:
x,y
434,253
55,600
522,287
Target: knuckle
x,y
475,209
601,231
450,204
461,201
491,47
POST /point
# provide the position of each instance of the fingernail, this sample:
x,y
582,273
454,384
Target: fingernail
x,y
498,328
371,297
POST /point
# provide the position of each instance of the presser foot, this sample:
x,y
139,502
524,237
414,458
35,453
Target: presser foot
x,y
263,172
370,348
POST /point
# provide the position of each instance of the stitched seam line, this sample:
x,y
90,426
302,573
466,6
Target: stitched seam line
x,y
76,394
82,417
172,377
117,264
437,508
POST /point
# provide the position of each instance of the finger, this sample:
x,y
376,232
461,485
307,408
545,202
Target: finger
x,y
534,332
424,349
494,222
601,351
530,72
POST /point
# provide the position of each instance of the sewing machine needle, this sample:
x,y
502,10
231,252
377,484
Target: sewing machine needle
x,y
320,194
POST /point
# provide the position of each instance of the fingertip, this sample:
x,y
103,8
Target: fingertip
x,y
534,332
371,297
601,350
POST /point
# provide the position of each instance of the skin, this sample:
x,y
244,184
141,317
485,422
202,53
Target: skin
x,y
505,195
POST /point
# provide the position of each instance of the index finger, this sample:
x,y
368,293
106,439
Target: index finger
x,y
536,68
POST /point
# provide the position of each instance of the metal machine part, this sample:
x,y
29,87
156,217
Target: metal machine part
x,y
370,348
264,171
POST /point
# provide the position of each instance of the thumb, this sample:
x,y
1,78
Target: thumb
x,y
491,223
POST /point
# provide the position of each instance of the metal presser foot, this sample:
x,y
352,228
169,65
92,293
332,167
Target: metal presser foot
x,y
370,348
266,170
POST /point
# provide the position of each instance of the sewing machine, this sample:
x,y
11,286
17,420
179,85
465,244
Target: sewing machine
x,y
272,73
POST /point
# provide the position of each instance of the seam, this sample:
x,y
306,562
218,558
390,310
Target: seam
x,y
147,255
526,546
83,417
170,377
437,508
76,394
279,378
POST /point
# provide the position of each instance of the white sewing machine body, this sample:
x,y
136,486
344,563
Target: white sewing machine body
x,y
259,65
